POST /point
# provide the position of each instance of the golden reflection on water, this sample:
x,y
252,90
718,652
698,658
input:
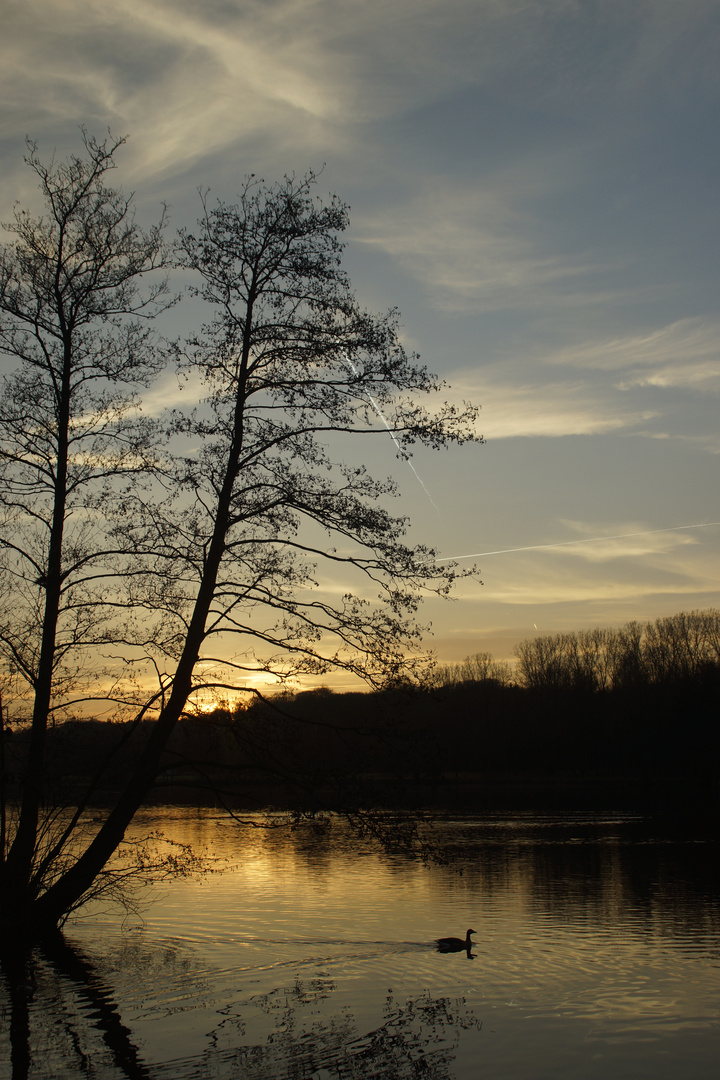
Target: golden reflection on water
x,y
311,955
631,890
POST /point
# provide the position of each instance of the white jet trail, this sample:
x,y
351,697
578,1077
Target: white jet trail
x,y
570,543
401,453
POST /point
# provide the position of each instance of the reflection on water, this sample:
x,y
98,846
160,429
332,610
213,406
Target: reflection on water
x,y
416,1038
62,1018
313,956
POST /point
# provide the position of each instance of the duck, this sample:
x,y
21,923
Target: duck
x,y
455,944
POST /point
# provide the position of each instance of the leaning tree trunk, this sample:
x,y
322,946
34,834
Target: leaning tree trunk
x,y
63,895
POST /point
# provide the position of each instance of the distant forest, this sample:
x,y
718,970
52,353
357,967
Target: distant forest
x,y
623,718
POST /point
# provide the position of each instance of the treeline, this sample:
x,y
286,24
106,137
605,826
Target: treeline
x,y
623,719
682,646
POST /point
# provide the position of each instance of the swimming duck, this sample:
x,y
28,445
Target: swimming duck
x,y
455,944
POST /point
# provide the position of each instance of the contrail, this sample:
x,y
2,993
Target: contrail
x,y
570,543
401,453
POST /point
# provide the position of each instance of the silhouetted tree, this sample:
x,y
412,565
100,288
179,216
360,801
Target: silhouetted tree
x,y
479,667
677,647
73,315
681,646
263,494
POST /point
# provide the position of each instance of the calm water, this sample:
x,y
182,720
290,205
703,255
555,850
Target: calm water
x,y
597,955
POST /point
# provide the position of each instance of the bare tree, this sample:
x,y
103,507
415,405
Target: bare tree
x,y
680,646
73,316
677,647
477,668
267,494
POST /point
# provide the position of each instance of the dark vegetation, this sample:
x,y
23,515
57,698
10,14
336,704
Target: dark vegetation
x,y
622,718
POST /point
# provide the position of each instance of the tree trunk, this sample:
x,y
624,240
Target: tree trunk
x,y
64,894
20,855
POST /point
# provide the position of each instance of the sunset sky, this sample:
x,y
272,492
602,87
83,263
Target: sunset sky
x,y
533,183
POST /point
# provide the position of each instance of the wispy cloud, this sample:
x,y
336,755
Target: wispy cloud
x,y
602,385
670,564
192,79
685,353
627,540
515,406
554,410
474,248
597,544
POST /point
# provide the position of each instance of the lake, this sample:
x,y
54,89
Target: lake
x,y
310,955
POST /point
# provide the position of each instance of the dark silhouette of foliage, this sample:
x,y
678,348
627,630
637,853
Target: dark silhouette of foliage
x,y
677,647
646,745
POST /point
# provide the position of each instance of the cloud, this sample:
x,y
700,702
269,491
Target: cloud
x,y
191,79
514,406
186,81
171,392
553,410
672,565
475,248
608,384
628,540
600,544
685,353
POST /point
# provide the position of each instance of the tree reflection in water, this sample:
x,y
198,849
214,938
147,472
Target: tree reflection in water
x,y
19,978
64,1016
71,1025
418,1037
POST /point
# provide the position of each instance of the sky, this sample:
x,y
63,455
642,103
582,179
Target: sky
x,y
533,183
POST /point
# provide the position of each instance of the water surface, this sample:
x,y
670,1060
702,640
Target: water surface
x,y
311,956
